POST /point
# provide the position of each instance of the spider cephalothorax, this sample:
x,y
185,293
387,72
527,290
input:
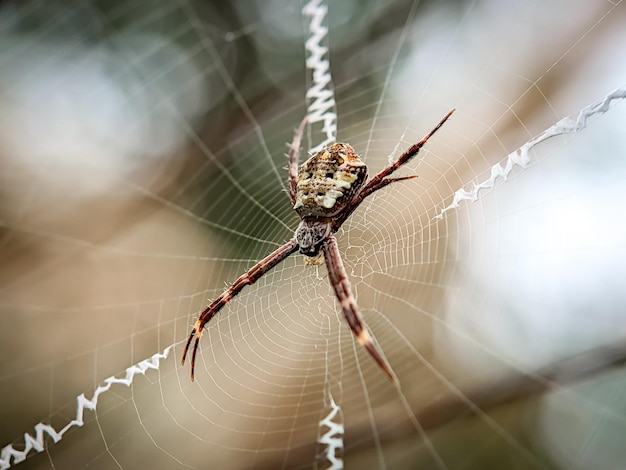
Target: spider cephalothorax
x,y
328,187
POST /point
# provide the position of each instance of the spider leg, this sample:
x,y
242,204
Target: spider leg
x,y
341,285
246,279
294,155
379,181
387,181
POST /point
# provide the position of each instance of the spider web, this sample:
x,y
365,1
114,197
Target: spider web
x,y
143,170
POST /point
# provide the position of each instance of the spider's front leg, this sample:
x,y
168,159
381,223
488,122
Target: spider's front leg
x,y
246,279
380,180
294,156
341,285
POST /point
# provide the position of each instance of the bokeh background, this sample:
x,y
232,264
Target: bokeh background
x,y
141,170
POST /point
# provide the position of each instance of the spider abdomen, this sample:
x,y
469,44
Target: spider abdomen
x,y
328,181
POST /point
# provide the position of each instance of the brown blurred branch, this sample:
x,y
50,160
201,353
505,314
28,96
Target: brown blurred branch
x,y
489,396
514,388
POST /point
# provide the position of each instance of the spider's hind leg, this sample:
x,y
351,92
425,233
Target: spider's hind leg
x,y
246,279
196,332
341,285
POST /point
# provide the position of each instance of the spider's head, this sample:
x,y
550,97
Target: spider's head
x,y
310,235
328,181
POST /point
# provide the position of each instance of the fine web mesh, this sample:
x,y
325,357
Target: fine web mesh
x,y
142,171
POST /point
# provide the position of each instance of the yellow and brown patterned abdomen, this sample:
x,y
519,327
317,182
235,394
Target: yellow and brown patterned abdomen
x,y
328,181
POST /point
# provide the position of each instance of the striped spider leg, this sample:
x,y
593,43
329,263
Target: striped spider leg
x,y
326,189
249,278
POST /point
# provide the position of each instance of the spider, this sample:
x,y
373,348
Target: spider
x,y
328,188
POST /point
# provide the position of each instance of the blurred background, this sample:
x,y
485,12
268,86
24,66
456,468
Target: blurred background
x,y
142,169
